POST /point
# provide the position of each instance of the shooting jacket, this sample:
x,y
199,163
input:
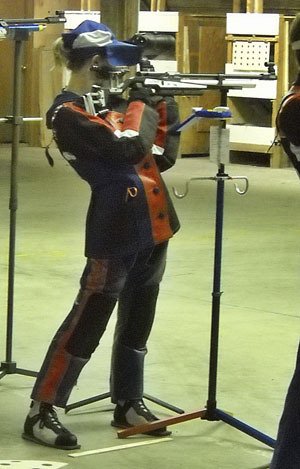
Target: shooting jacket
x,y
120,153
288,124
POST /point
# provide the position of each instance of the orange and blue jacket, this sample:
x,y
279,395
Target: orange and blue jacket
x,y
121,153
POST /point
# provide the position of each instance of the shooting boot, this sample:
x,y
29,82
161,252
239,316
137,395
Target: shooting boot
x,y
43,427
135,412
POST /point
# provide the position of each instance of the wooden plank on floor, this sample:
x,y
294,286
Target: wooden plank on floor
x,y
148,427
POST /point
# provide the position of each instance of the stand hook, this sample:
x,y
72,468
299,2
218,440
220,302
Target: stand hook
x,y
237,189
224,177
187,186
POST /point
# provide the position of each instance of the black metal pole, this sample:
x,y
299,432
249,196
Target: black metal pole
x,y
216,299
19,35
13,202
9,366
216,293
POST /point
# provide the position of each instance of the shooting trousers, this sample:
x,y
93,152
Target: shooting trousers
x,y
134,281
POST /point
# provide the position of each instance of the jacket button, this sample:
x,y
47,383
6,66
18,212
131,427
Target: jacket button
x,y
146,165
156,190
161,215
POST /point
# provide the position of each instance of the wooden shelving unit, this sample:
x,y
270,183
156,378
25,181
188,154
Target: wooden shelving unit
x,y
253,39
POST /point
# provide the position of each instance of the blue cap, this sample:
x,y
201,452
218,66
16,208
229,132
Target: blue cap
x,y
90,36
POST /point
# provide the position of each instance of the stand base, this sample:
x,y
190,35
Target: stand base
x,y
202,414
10,368
106,395
243,427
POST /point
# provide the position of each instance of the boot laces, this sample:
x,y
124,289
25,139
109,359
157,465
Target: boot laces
x,y
49,418
144,409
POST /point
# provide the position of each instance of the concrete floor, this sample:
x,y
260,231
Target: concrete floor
x,y
259,327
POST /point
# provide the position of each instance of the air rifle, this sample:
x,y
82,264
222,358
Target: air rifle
x,y
158,46
162,46
9,28
185,84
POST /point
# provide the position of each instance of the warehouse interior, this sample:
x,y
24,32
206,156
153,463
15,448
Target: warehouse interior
x,y
259,316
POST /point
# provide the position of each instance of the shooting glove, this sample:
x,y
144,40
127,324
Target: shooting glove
x,y
144,94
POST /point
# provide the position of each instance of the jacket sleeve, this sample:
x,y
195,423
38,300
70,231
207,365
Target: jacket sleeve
x,y
88,136
293,152
166,144
288,125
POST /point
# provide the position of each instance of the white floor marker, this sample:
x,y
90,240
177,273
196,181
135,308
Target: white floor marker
x,y
20,464
118,448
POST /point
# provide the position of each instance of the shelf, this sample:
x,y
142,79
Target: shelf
x,y
250,138
255,40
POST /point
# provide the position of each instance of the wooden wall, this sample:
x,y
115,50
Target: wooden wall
x,y
221,7
40,82
198,53
37,64
13,9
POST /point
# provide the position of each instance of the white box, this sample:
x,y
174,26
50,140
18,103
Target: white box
x,y
75,17
260,24
158,21
252,135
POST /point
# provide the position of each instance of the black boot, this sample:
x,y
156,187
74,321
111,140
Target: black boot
x,y
133,413
43,427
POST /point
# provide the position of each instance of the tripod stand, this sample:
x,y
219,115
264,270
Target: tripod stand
x,y
19,31
211,412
